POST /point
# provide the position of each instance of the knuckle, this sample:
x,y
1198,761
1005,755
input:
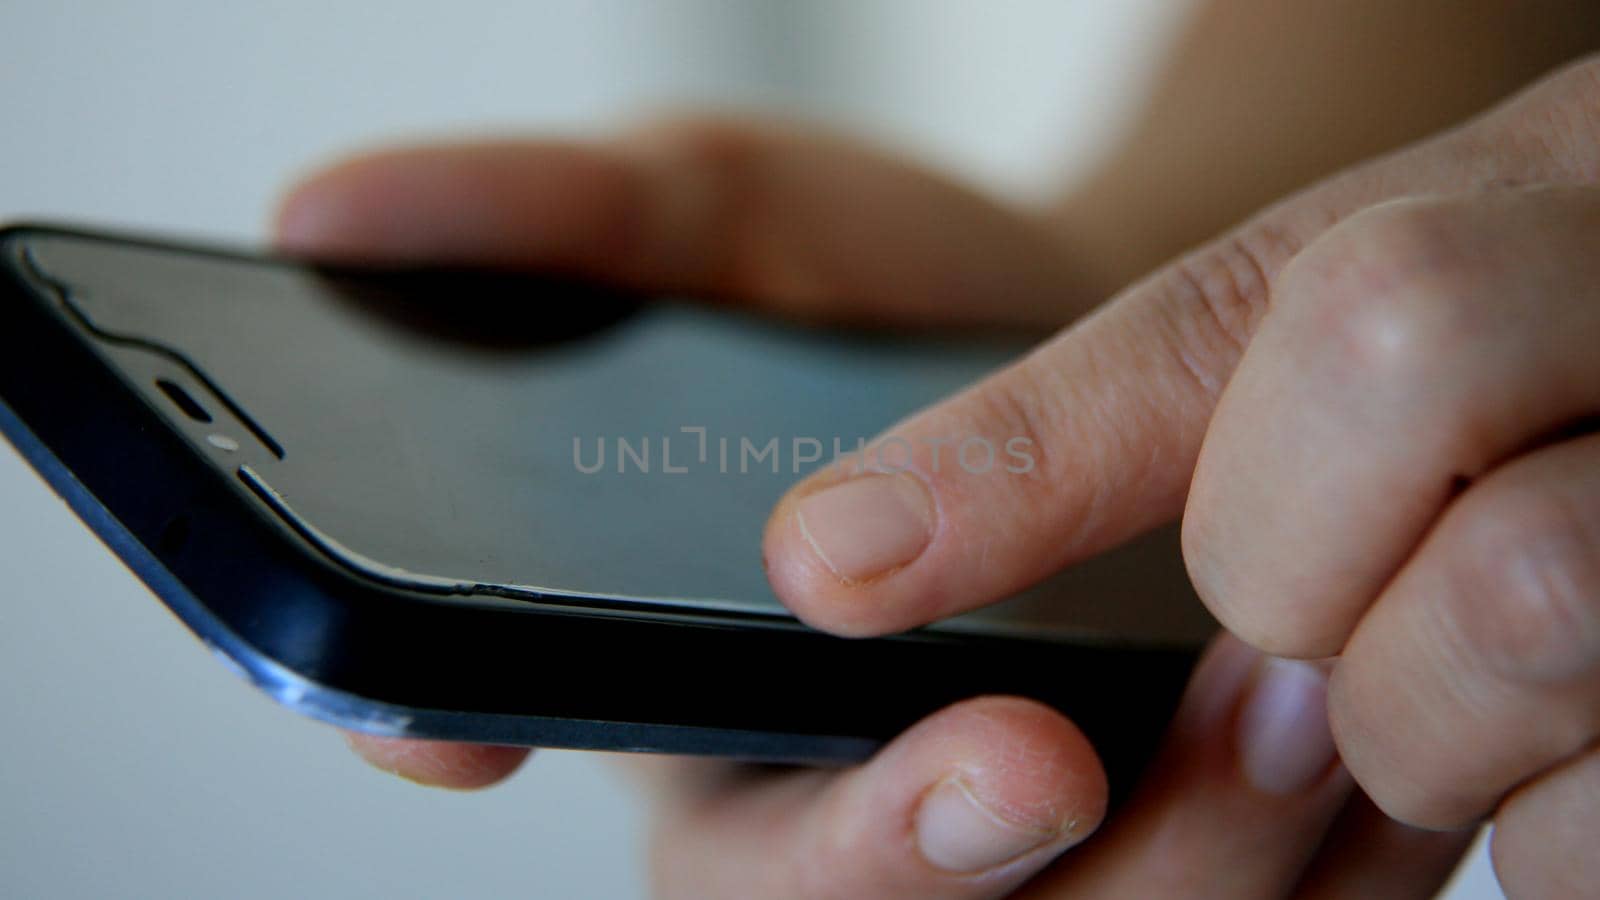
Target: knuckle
x,y
1382,294
713,173
1034,412
709,141
1022,406
1565,128
1021,414
1586,70
1228,284
1585,116
1527,586
1551,133
720,158
1583,81
1215,297
1019,406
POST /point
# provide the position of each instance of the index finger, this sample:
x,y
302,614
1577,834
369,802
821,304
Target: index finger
x,y
1093,438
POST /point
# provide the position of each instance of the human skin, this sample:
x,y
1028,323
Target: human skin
x,y
1372,407
1360,401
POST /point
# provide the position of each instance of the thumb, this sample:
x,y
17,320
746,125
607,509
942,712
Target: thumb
x,y
1093,438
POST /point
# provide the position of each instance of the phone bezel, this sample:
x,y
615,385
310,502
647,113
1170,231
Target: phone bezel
x,y
387,660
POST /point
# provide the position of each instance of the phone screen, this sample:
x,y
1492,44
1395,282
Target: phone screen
x,y
481,434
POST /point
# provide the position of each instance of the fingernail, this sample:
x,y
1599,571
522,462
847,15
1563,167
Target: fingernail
x,y
957,834
1284,741
866,526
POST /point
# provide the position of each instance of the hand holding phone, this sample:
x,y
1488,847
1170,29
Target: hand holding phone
x,y
838,234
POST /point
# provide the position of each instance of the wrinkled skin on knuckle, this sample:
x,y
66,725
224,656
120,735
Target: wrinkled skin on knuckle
x,y
1046,413
1576,133
1208,308
1548,134
1560,126
1064,441
1209,304
1217,296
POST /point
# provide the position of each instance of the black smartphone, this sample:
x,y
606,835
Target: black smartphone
x,y
513,509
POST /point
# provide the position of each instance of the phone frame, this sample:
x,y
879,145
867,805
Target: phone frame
x,y
330,643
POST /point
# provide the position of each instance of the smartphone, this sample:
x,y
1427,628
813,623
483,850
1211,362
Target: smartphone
x,y
519,509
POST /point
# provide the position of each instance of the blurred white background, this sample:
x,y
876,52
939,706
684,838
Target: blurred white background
x,y
133,764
